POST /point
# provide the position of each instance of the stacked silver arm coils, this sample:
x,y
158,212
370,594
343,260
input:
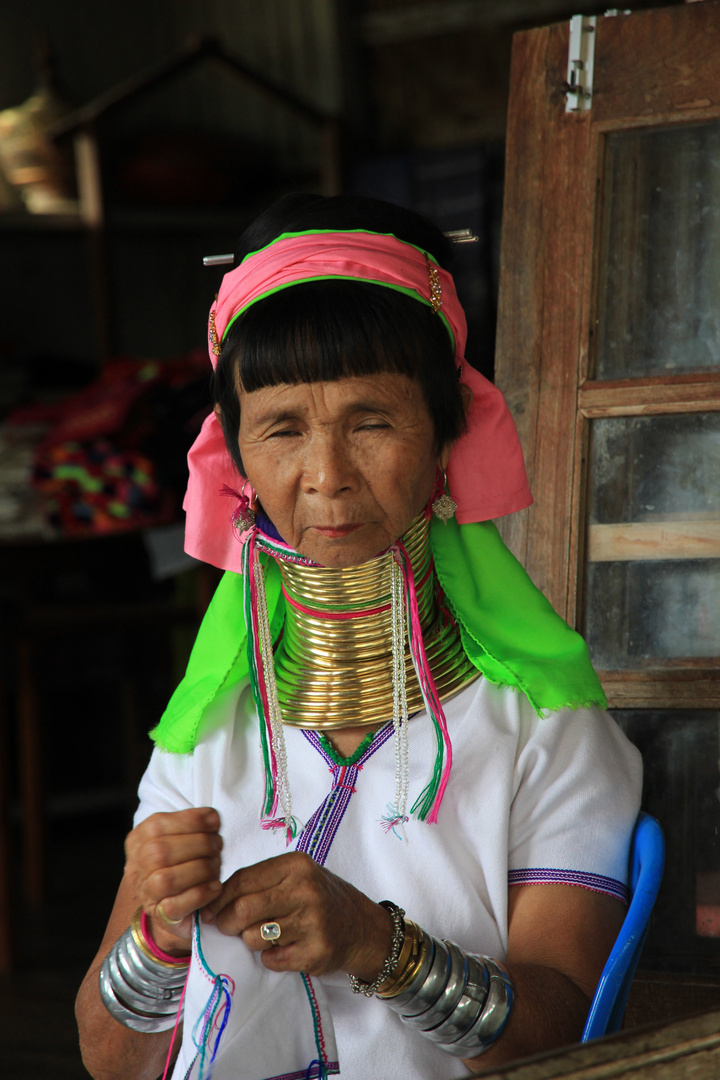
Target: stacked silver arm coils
x,y
139,991
457,1000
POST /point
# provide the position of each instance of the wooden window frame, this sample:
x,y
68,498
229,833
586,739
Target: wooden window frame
x,y
551,230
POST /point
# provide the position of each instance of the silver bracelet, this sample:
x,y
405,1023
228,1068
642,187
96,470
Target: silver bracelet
x,y
127,1017
137,991
458,1000
445,990
368,989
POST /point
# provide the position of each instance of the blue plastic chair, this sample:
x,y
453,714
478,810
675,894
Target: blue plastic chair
x,y
647,857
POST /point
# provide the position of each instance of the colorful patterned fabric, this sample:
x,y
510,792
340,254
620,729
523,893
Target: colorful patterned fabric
x,y
97,487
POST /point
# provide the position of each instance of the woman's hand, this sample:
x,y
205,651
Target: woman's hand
x,y
173,867
326,924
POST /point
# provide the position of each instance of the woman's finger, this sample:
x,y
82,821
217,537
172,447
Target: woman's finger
x,y
265,883
173,850
334,926
192,820
174,880
171,917
234,914
182,905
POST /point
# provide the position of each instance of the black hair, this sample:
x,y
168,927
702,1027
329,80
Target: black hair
x,y
320,331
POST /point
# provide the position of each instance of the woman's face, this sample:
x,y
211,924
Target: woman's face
x,y
341,468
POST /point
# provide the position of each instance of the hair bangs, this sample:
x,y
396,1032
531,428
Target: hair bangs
x,y
326,329
323,331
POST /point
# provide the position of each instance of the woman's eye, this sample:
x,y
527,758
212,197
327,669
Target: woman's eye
x,y
377,425
282,434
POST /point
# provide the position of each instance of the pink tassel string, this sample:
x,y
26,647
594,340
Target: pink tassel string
x,y
271,809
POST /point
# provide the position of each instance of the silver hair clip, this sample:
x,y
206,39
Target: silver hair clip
x,y
456,236
461,236
217,260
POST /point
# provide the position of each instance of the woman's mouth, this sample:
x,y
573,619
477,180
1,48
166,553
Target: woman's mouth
x,y
335,532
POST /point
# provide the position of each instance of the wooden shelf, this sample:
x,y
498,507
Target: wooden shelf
x,y
651,396
641,541
670,687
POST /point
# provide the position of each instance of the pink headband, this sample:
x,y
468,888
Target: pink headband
x,y
486,472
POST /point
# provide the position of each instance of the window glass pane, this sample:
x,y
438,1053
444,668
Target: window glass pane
x,y
639,613
658,304
652,585
681,782
652,468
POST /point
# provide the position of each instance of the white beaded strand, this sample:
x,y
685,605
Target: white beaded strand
x,y
400,711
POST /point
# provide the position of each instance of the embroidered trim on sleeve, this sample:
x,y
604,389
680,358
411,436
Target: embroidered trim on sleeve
x,y
547,876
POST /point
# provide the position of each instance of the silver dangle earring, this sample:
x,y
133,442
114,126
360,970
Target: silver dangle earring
x,y
244,515
444,506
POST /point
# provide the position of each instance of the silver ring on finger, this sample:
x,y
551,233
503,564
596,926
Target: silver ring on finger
x,y
270,931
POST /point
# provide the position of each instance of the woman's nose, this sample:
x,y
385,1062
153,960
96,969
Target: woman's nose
x,y
329,469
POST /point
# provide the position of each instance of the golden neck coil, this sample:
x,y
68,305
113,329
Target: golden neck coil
x,y
334,662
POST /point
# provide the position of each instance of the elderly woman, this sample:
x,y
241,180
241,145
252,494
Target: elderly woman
x,y
379,705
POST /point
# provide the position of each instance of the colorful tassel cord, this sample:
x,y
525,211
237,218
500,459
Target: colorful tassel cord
x,y
210,1026
168,1060
262,680
255,664
427,804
